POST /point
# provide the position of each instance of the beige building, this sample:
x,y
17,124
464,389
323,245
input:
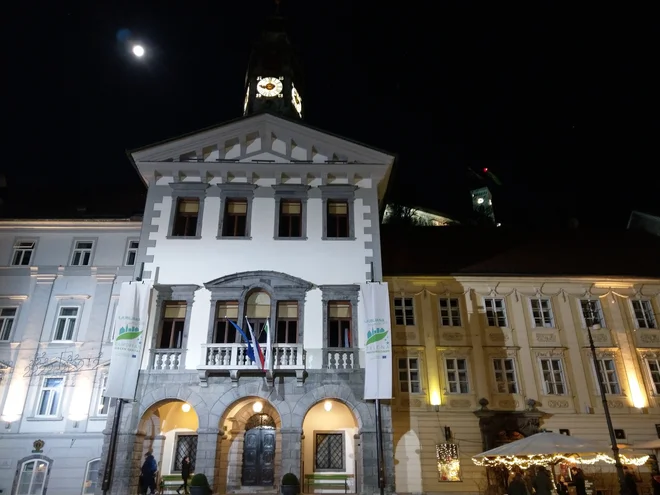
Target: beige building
x,y
493,344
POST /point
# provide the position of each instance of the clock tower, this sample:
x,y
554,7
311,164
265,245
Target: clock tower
x,y
270,83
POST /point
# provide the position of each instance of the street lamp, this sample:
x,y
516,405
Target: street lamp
x,y
606,409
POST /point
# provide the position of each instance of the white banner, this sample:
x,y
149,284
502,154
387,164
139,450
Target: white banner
x,y
378,341
129,329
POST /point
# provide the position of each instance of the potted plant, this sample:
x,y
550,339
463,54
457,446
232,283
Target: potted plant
x,y
290,484
199,485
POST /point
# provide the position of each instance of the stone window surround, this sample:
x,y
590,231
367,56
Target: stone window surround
x,y
349,293
13,250
128,246
240,294
38,388
33,457
180,190
236,190
296,192
65,301
8,302
173,293
343,449
95,243
340,192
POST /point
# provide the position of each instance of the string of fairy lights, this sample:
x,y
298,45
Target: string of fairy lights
x,y
528,461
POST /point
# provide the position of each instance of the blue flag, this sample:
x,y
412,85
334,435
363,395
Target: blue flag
x,y
250,351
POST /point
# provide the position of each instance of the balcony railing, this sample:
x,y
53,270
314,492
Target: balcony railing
x,y
234,357
341,358
165,359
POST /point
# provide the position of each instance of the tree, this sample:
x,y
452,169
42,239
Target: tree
x,y
397,214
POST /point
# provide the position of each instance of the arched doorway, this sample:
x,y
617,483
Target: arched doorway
x,y
330,454
259,451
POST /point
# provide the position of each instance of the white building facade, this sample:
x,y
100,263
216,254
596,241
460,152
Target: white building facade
x,y
59,284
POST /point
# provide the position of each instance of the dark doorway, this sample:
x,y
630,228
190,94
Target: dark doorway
x,y
259,451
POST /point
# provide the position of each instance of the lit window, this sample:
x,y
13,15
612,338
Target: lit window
x,y
91,477
50,397
66,324
329,452
186,217
32,480
592,313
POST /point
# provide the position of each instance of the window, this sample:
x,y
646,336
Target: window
x,y
23,251
235,219
66,324
505,375
329,452
337,219
654,370
82,253
644,316
185,217
50,397
339,324
409,376
450,313
32,478
404,313
171,328
457,376
7,316
104,402
186,446
495,312
91,477
553,376
608,376
131,252
224,332
287,322
592,313
257,312
290,222
542,313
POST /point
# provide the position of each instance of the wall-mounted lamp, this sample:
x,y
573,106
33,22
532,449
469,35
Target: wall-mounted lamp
x,y
185,407
7,425
327,405
257,407
435,400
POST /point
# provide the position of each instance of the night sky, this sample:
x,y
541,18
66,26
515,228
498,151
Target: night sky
x,y
560,104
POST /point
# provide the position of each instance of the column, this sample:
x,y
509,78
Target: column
x,y
207,447
291,445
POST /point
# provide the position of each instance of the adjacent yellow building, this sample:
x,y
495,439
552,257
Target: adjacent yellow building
x,y
486,355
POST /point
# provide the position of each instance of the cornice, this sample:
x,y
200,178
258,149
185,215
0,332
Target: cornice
x,y
70,225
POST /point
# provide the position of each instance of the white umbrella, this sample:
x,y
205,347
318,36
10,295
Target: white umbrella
x,y
545,443
652,444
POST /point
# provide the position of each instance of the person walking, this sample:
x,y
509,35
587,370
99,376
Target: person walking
x,y
185,474
149,469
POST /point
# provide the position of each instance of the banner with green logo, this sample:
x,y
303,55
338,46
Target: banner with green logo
x,y
377,338
129,329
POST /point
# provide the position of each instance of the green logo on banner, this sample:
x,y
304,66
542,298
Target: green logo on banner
x,y
128,333
376,334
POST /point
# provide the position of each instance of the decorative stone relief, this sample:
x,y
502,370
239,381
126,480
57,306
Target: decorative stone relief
x,y
558,403
546,337
497,337
615,404
508,404
649,338
460,403
452,336
553,352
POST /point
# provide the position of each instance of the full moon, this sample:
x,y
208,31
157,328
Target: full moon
x,y
138,51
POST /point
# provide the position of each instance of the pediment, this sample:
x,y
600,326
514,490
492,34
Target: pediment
x,y
250,142
261,278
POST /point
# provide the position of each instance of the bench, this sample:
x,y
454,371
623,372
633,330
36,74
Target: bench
x,y
327,481
168,483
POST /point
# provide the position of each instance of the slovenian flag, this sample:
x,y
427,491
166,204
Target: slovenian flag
x,y
259,356
250,352
269,347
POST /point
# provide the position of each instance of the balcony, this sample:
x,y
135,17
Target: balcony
x,y
340,358
165,359
233,359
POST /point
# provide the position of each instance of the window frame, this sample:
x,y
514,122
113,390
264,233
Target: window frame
x,y
343,450
236,191
36,458
294,193
494,307
76,322
39,398
331,293
655,385
539,300
403,308
599,313
650,314
15,249
562,372
101,399
228,326
276,330
193,459
86,480
516,377
449,309
187,190
608,390
3,323
467,374
338,192
92,251
409,382
161,323
129,249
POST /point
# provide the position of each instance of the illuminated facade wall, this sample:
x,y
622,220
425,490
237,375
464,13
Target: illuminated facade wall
x,y
512,341
59,284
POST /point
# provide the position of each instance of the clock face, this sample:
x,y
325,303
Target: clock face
x,y
247,95
269,86
296,100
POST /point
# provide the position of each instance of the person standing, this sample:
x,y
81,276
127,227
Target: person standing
x,y
542,483
185,474
149,469
578,481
